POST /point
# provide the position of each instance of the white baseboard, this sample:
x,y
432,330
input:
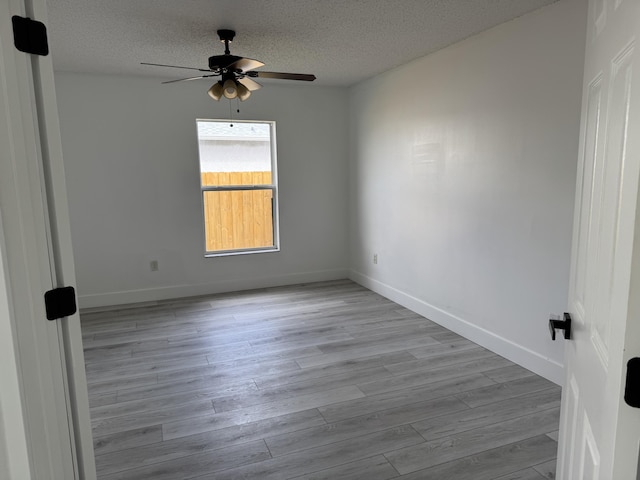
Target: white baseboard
x,y
523,356
222,286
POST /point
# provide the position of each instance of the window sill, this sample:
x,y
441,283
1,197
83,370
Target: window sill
x,y
230,253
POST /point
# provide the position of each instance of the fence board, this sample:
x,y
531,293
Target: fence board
x,y
242,219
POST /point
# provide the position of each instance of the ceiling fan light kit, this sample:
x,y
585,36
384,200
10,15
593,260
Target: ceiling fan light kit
x,y
235,72
215,91
243,92
229,89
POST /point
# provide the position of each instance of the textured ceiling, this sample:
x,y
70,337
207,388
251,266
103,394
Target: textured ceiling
x,y
340,41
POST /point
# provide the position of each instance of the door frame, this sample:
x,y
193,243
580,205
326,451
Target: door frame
x,y
43,431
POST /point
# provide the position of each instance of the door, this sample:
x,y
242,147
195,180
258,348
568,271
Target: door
x,y
35,250
599,433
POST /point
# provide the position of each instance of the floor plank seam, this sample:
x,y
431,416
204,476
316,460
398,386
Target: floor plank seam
x,y
389,462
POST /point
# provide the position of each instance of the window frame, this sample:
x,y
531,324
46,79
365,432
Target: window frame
x,y
273,186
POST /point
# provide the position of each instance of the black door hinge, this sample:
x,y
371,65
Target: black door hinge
x,y
60,303
30,36
632,386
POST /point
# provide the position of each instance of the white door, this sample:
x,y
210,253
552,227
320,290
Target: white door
x,y
36,256
599,433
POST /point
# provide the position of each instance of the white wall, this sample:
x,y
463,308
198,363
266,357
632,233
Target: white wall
x,y
131,160
462,168
462,181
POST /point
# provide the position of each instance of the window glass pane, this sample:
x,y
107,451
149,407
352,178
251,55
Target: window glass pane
x,y
238,155
238,219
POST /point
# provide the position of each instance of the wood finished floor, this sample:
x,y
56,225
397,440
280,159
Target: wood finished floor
x,y
318,381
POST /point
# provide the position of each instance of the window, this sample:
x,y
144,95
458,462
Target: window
x,y
239,186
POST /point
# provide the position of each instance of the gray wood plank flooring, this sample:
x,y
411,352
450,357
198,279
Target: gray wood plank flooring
x,y
316,381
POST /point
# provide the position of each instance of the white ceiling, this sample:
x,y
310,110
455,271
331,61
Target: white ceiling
x,y
340,41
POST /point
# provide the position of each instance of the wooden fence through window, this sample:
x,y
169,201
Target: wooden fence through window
x,y
240,219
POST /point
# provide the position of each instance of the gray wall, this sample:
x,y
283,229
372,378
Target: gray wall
x,y
131,159
462,181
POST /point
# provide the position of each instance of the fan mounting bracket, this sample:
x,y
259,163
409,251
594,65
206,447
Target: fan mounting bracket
x,y
226,35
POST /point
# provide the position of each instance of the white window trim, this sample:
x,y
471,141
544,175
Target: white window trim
x,y
275,219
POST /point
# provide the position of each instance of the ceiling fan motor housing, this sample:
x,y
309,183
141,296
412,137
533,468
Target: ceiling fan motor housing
x,y
219,62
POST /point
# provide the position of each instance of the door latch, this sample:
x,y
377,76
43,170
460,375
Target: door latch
x,y
555,324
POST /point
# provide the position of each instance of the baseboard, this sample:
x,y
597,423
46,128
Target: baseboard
x,y
222,286
523,356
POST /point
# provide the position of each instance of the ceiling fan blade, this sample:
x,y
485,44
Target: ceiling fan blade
x,y
250,84
175,66
285,76
245,64
189,78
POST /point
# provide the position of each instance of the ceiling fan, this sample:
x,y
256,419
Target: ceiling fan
x,y
236,73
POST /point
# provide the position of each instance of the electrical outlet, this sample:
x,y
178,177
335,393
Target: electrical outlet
x,y
153,265
375,258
